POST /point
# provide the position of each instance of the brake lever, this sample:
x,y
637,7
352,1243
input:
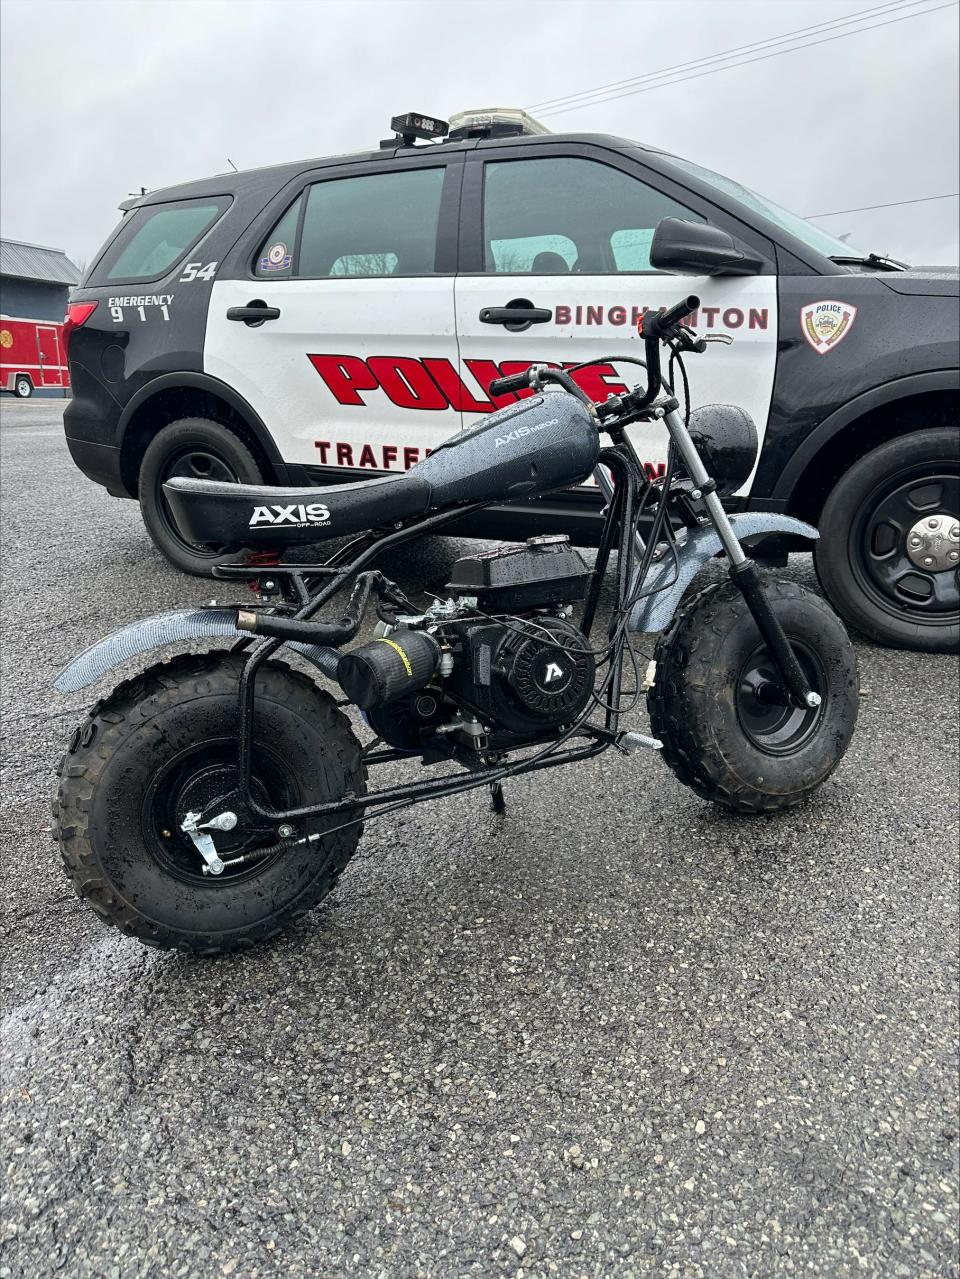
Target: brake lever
x,y
688,340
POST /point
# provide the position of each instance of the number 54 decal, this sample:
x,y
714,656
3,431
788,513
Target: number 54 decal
x,y
196,271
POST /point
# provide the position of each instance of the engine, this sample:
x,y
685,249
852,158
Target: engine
x,y
498,663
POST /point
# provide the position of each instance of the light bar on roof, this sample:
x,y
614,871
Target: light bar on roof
x,y
496,119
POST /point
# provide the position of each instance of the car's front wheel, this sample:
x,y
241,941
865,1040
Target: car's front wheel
x,y
888,557
197,448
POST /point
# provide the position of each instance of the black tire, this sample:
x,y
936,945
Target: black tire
x,y
165,742
204,449
718,737
23,387
863,556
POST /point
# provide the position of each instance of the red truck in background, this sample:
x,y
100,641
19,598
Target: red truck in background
x,y
32,356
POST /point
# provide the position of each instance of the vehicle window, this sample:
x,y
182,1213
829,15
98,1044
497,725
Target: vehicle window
x,y
561,214
519,256
153,239
276,253
631,249
379,224
366,264
811,235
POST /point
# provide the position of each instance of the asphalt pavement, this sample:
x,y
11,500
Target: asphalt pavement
x,y
615,1033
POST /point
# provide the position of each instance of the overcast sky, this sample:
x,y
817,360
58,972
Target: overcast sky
x,y
101,97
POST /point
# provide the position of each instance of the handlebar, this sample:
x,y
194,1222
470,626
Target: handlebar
x,y
655,327
512,382
660,324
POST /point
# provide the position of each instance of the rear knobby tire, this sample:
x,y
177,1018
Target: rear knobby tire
x,y
165,742
719,738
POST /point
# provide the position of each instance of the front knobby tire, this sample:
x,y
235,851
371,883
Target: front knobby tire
x,y
165,743
727,731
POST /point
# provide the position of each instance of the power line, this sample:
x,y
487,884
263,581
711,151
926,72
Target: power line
x,y
745,61
566,99
894,204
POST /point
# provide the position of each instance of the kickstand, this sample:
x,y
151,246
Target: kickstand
x,y
497,802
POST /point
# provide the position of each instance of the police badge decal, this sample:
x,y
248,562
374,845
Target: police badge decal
x,y
826,324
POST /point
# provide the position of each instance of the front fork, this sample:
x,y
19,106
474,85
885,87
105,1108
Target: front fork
x,y
743,571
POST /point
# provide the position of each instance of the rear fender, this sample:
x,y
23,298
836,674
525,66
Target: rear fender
x,y
170,628
694,548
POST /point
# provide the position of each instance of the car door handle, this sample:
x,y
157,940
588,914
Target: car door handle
x,y
515,313
253,313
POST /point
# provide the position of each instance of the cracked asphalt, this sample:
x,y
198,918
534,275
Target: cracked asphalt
x,y
617,1033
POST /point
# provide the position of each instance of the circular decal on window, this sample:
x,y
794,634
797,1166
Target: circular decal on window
x,y
6,339
276,253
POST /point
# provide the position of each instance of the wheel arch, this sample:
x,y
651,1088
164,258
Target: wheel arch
x,y
909,404
167,399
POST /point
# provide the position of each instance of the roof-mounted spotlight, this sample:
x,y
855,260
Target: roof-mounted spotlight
x,y
408,128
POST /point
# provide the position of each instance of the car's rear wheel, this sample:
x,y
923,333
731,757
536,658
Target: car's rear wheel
x,y
888,557
199,449
23,387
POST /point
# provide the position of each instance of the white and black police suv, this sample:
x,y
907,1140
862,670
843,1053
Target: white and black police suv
x,y
331,319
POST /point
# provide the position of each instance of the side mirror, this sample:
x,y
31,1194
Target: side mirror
x,y
696,248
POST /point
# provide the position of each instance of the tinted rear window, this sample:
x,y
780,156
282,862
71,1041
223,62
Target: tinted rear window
x,y
152,240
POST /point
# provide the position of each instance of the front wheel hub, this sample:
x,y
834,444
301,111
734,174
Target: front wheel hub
x,y
767,713
933,543
905,547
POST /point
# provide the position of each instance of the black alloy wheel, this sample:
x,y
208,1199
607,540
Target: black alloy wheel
x,y
888,557
905,546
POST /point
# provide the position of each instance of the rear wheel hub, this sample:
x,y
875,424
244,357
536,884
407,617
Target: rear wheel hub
x,y
204,779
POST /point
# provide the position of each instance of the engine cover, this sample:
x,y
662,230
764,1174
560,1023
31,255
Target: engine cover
x,y
526,676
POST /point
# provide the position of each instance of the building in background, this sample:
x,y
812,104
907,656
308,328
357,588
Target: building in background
x,y
35,283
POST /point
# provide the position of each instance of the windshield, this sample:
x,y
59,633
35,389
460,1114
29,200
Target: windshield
x,y
811,235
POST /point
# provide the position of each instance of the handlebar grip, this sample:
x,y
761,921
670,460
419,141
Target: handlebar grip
x,y
658,324
512,382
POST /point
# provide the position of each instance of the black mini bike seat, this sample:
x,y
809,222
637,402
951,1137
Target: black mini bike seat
x,y
237,515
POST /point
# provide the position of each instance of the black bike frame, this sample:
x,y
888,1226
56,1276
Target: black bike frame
x,y
619,527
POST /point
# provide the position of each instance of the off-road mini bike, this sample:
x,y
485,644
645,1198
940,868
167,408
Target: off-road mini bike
x,y
211,800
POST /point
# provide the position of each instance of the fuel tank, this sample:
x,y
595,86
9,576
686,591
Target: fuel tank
x,y
546,442
541,444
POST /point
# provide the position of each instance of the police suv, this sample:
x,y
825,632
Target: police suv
x,y
331,319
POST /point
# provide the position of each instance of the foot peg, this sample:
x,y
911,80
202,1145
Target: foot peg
x,y
628,743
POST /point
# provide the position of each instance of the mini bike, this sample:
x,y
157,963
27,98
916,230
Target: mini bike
x,y
214,798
